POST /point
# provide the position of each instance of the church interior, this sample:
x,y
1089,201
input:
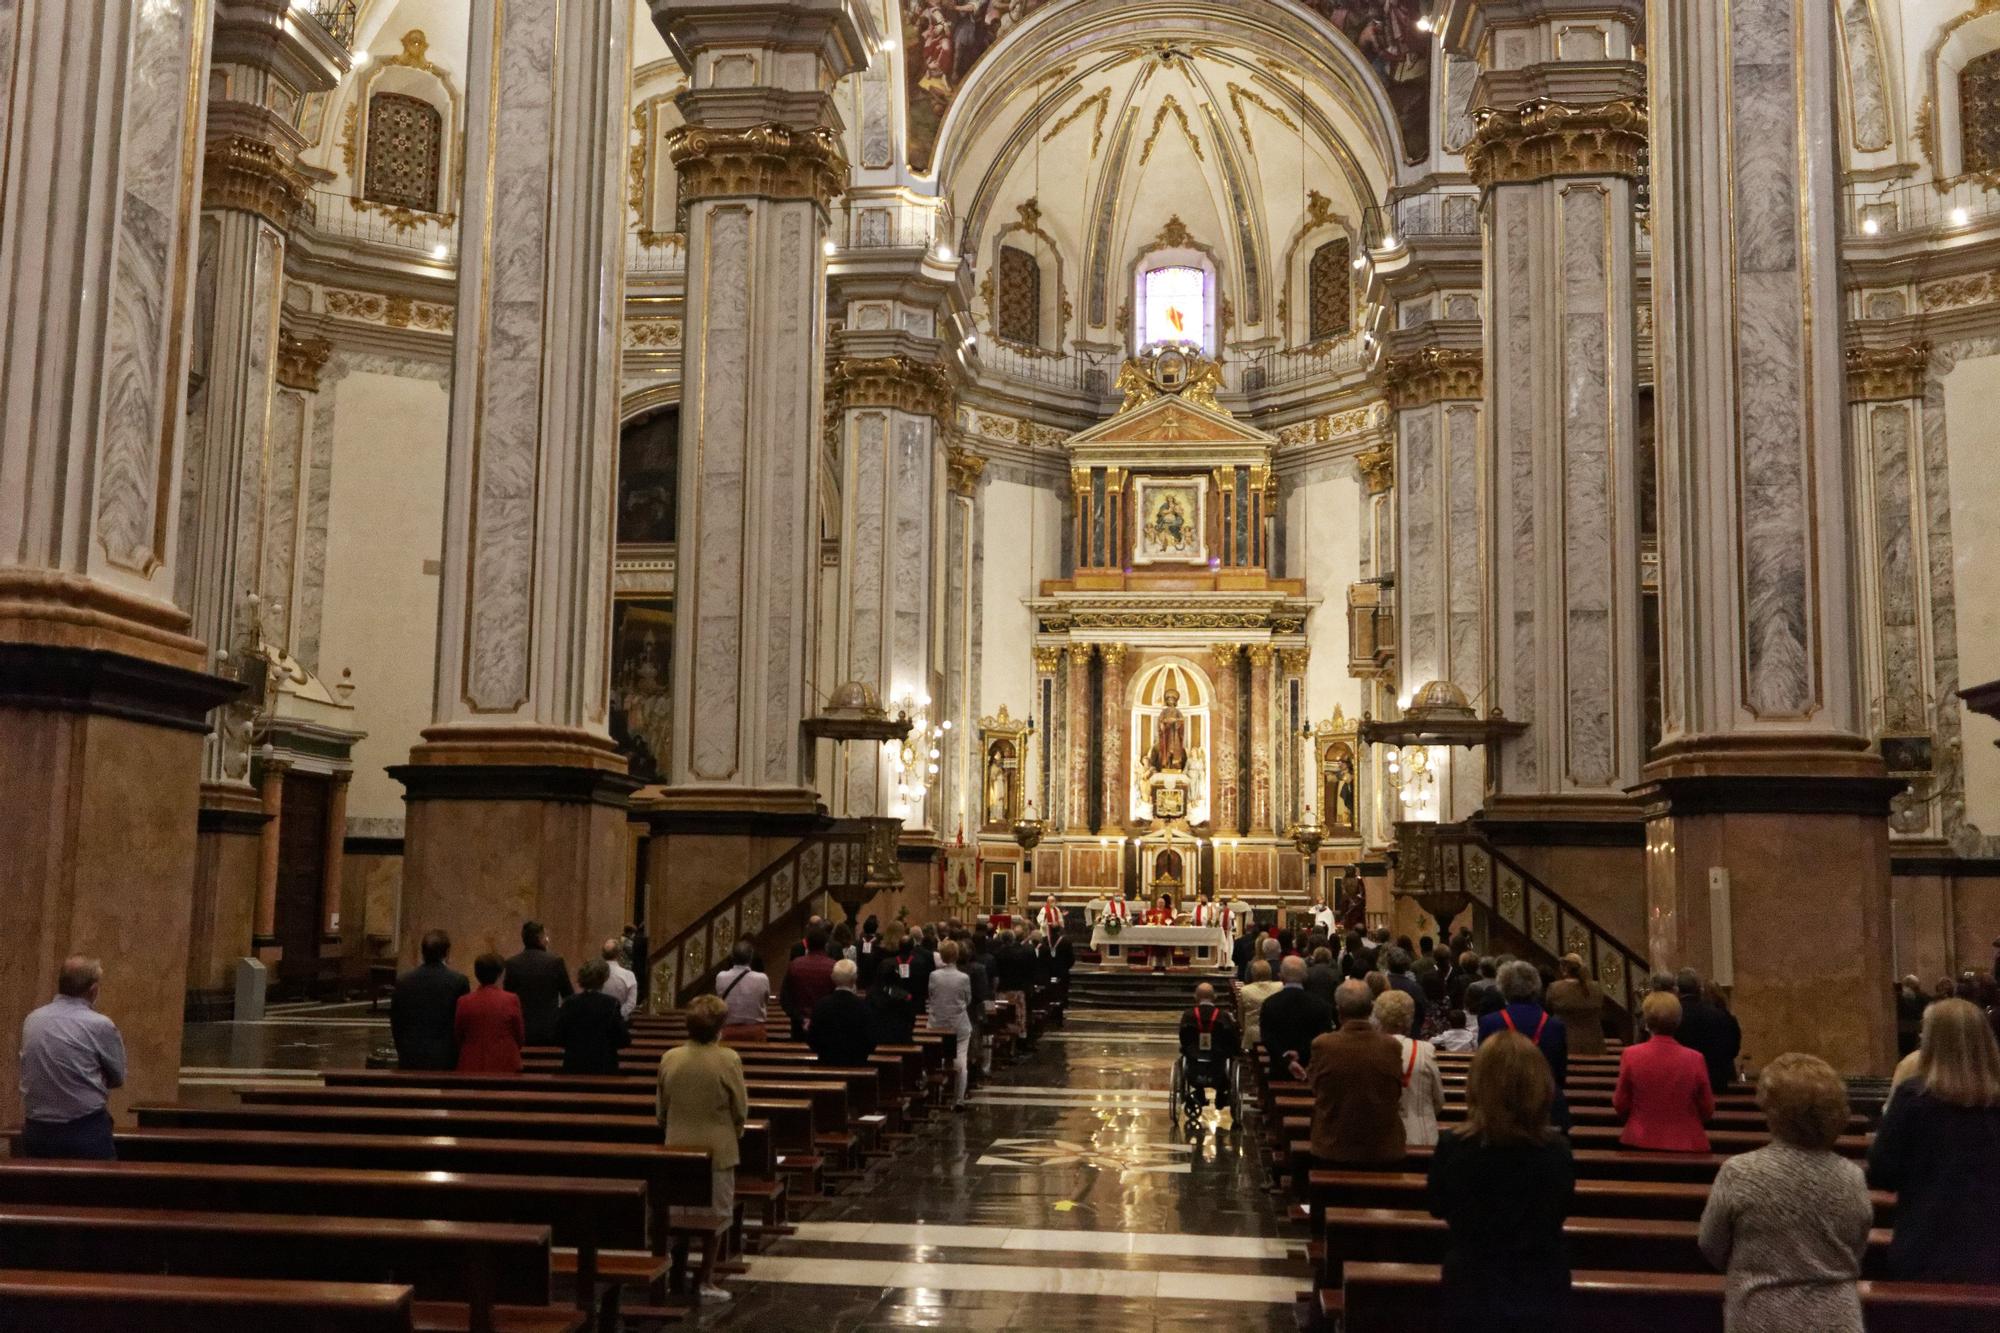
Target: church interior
x,y
692,472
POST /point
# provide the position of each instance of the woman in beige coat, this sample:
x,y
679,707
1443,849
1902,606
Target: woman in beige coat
x,y
703,1104
1579,1003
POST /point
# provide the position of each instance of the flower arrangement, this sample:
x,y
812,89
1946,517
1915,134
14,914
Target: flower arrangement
x,y
1113,925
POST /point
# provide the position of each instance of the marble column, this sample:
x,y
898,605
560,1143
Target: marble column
x,y
893,400
516,794
1116,740
957,796
1261,659
1436,390
253,191
1293,750
1557,150
1077,741
105,689
1043,777
1225,769
1767,842
759,163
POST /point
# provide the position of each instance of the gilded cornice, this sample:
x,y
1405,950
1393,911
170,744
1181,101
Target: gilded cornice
x,y
1887,374
1378,468
251,176
769,161
1540,140
898,382
1434,374
963,470
300,361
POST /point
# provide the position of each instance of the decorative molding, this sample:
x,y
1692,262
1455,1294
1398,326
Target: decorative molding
x,y
898,382
1225,654
1113,654
769,161
1171,372
397,312
1543,139
1048,656
1885,374
300,361
1238,95
1293,660
1335,426
1174,236
963,470
1101,100
1378,468
661,334
251,176
1260,654
1170,106
1435,374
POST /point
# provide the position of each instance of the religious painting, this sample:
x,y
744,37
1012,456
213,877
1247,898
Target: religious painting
x,y
1172,519
942,41
1338,787
649,455
642,703
1399,51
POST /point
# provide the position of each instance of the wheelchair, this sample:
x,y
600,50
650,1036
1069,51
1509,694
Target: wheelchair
x,y
1195,1075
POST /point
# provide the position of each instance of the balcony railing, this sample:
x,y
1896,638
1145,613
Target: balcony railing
x,y
1422,217
402,231
1878,213
336,16
1091,373
1289,367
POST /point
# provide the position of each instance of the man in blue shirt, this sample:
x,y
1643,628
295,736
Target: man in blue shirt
x,y
71,1057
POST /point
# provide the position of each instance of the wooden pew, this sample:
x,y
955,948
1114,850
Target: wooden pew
x,y
1391,1298
31,1300
477,1265
587,1214
1658,1200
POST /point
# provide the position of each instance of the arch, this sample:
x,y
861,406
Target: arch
x,y
652,185
1145,698
1960,43
1174,247
412,76
1028,238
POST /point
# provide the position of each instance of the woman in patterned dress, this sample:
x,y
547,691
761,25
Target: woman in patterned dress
x,y
1789,1223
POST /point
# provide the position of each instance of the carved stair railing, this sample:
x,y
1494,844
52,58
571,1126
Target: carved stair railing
x,y
795,884
1526,917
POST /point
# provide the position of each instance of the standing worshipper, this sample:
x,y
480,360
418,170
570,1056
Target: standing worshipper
x,y
589,1027
746,995
622,985
71,1059
808,980
1521,1011
423,1009
487,1023
701,1102
1939,1149
1423,1085
541,979
1789,1223
1356,1080
1579,1003
1250,1002
1291,1019
843,1031
1503,1182
1399,963
1709,1028
1663,1093
950,1011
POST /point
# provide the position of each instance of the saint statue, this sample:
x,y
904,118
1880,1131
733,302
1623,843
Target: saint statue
x,y
1169,753
999,794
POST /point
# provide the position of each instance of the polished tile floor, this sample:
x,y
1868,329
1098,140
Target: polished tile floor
x,y
1063,1199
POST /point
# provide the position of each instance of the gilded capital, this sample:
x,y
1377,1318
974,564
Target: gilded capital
x,y
964,468
1434,374
900,383
1540,140
300,361
1293,660
250,176
1114,655
1378,468
1225,653
768,161
1259,653
1886,374
1047,657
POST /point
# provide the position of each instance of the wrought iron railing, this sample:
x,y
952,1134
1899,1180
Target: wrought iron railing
x,y
798,882
1533,919
1281,368
337,17
1884,212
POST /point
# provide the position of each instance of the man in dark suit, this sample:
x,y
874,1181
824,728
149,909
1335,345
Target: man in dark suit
x,y
1244,952
1357,1082
843,1030
1291,1019
1709,1029
589,1026
808,980
1322,977
541,979
424,1006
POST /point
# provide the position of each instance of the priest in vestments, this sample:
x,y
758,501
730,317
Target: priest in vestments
x,y
1162,912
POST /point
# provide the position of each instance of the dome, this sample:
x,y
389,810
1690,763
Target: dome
x,y
1439,698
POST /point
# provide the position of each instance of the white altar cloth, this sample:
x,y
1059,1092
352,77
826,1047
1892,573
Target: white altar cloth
x,y
1208,944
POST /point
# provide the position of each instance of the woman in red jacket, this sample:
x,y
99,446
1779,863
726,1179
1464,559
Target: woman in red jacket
x,y
1663,1092
488,1023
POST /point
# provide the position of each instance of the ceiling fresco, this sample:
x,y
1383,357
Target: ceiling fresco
x,y
944,41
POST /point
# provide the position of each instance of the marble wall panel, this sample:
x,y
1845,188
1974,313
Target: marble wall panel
x,y
910,579
718,486
1902,665
1516,442
290,412
1958,484
870,444
877,141
1588,561
1420,580
1867,87
790,488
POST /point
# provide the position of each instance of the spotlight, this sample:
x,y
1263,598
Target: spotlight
x,y
360,58
439,251
1959,217
1360,262
1869,226
945,253
830,248
1389,240
1426,24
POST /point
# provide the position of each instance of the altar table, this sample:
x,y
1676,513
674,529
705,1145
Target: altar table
x,y
1208,946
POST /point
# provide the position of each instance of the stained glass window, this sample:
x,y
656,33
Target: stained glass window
x,y
1017,300
1176,301
405,152
1979,112
1330,291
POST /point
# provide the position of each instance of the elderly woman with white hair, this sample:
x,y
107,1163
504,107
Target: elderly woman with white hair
x,y
1521,1011
1423,1087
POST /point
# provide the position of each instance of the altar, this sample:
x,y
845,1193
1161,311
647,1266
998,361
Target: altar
x,y
1206,946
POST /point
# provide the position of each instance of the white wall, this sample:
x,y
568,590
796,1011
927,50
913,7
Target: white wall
x,y
1022,535
1323,547
1972,405
385,519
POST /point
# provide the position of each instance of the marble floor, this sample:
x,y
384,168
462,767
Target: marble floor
x,y
1063,1199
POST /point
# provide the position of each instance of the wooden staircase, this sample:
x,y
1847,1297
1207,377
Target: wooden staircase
x,y
1520,914
802,880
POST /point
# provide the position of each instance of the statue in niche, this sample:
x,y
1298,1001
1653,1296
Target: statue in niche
x,y
1169,753
1338,797
999,785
